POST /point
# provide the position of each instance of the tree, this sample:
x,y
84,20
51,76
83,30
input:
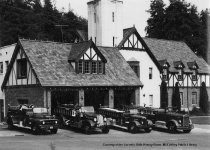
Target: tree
x,y
204,104
179,21
164,95
176,101
156,20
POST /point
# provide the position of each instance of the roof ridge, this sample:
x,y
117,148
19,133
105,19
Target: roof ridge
x,y
45,41
163,39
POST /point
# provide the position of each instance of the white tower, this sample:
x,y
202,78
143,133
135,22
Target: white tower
x,y
105,22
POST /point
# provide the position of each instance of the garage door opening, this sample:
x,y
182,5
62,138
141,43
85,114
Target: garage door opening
x,y
96,98
122,97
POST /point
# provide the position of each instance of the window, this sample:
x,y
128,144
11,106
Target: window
x,y
181,98
7,64
80,67
150,73
94,67
150,100
113,41
165,74
22,101
1,67
21,68
194,98
95,17
194,75
180,74
112,16
87,67
136,70
100,67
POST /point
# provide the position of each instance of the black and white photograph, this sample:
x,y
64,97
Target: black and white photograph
x,y
104,74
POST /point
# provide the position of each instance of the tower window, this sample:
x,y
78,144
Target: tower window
x,y
95,17
113,41
1,67
112,16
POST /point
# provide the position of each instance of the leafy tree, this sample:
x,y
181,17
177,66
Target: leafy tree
x,y
176,100
204,104
31,20
164,95
156,20
179,21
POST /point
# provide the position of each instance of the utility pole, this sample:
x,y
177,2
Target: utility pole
x,y
61,26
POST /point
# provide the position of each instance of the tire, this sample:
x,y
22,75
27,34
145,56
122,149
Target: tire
x,y
10,124
54,131
187,131
35,130
172,128
148,130
86,129
132,128
105,130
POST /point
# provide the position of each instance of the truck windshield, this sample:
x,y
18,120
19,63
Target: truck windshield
x,y
39,110
88,109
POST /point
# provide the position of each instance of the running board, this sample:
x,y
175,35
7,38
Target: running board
x,y
19,126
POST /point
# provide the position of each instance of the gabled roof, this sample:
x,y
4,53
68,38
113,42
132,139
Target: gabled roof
x,y
178,64
78,49
127,33
49,61
192,64
175,51
163,62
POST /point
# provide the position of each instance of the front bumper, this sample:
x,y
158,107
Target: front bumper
x,y
48,127
189,127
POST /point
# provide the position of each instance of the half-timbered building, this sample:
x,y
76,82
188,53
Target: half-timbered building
x,y
49,73
152,60
163,60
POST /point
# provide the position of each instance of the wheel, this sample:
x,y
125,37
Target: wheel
x,y
35,130
10,124
148,130
187,131
132,128
54,131
105,130
86,129
172,128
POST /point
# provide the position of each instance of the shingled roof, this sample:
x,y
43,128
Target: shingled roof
x,y
176,51
49,60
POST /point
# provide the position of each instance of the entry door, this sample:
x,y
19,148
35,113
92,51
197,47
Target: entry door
x,y
1,110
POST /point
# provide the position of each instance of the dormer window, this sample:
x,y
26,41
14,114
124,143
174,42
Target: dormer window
x,y
193,67
179,66
165,74
180,74
194,75
87,58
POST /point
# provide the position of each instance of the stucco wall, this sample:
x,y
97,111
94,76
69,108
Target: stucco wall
x,y
151,86
104,29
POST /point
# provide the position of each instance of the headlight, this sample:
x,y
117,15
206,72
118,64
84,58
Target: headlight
x,y
43,122
56,122
104,119
142,122
95,119
190,121
180,121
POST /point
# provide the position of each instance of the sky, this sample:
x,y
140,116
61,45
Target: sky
x,y
134,11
